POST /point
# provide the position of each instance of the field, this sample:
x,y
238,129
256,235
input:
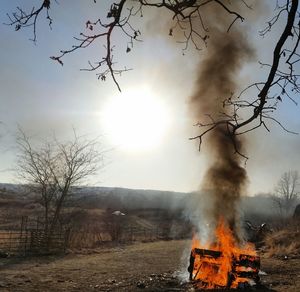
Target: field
x,y
150,253
152,266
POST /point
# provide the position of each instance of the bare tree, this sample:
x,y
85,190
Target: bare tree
x,y
52,169
34,168
257,101
287,192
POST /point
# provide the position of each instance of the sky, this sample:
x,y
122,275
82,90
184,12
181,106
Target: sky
x,y
43,98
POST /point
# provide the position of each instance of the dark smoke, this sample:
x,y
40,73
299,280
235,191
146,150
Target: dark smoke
x,y
217,80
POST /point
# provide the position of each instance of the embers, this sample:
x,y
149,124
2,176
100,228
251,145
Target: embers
x,y
211,269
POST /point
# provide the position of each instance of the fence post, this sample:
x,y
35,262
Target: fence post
x,y
21,235
9,244
66,242
131,233
26,234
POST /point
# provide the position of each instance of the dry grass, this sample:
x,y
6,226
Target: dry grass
x,y
9,241
283,243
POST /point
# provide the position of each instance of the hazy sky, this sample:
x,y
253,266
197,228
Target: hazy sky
x,y
43,97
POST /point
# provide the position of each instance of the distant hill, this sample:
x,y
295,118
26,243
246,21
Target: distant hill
x,y
11,188
123,198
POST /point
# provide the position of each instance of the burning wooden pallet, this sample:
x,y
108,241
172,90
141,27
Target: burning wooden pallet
x,y
211,269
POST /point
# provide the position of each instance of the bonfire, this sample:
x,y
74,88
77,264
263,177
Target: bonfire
x,y
223,263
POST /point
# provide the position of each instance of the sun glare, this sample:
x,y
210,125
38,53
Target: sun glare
x,y
136,119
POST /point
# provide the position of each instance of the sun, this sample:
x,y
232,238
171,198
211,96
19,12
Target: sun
x,y
136,119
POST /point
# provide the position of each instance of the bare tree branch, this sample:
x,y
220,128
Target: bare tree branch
x,y
262,97
21,19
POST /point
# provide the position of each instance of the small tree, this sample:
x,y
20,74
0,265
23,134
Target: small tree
x,y
52,169
34,168
287,192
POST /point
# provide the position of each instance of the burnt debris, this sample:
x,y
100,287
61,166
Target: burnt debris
x,y
243,272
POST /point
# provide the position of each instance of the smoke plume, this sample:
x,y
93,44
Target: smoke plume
x,y
217,79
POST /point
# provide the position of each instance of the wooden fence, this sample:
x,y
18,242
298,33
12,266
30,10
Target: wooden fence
x,y
30,239
93,237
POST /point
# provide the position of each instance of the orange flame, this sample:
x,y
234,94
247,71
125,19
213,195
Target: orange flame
x,y
214,271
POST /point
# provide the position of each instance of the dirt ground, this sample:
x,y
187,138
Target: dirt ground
x,y
155,266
